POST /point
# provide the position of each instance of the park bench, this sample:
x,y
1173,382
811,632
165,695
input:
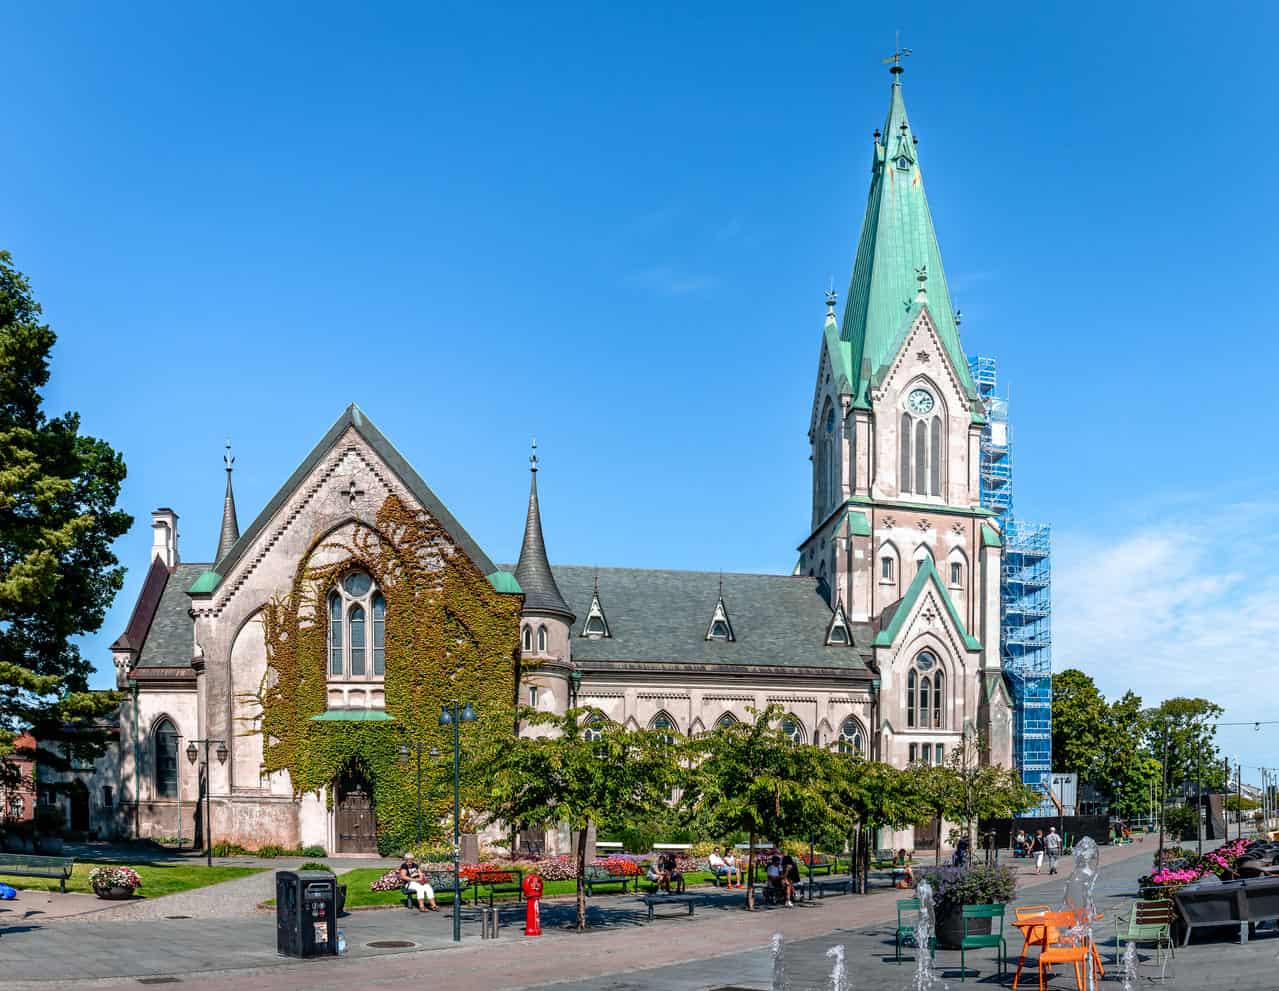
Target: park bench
x,y
28,865
597,874
838,885
819,863
499,881
440,882
652,901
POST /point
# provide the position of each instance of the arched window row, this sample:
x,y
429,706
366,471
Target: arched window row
x,y
852,739
357,629
527,639
926,693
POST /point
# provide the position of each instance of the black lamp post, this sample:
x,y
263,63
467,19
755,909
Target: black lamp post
x,y
404,759
574,685
192,754
455,714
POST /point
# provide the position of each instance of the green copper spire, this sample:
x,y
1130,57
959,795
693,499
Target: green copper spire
x,y
898,268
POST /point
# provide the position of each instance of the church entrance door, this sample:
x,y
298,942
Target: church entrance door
x,y
926,835
356,826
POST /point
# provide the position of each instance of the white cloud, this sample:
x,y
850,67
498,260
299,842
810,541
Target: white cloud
x,y
1185,605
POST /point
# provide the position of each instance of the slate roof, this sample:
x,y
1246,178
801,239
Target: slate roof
x,y
354,417
661,617
534,571
230,532
144,609
169,642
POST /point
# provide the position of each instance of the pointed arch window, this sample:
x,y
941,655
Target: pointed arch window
x,y
665,727
541,639
166,759
357,629
922,457
793,728
593,732
851,738
925,693
528,639
725,721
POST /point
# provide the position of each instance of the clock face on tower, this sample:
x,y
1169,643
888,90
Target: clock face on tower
x,y
920,401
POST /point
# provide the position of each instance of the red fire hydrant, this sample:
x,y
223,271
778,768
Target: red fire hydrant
x,y
533,915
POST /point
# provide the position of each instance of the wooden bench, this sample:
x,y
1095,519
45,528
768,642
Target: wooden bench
x,y
499,881
652,901
597,874
839,885
820,864
28,865
440,882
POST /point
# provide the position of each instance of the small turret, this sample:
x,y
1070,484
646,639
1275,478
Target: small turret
x,y
230,525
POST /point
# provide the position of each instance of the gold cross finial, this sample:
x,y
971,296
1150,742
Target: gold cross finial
x,y
897,56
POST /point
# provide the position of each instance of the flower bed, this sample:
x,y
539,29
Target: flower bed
x,y
1184,867
501,871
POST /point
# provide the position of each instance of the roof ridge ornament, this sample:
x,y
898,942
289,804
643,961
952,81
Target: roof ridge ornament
x,y
532,458
921,276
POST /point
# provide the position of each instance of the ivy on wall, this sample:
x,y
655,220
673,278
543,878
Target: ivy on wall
x,y
449,635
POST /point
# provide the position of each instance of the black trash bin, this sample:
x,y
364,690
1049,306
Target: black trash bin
x,y
306,914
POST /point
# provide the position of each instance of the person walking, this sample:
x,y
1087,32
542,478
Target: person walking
x,y
1052,845
1037,849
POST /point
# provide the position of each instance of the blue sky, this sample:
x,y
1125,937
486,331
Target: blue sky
x,y
613,228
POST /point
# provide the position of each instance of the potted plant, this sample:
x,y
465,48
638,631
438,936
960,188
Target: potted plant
x,y
114,883
955,887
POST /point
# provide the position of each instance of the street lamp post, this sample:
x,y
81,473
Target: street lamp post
x,y
192,754
455,714
404,759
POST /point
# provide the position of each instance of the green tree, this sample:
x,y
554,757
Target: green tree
x,y
606,776
1181,732
1082,725
865,796
58,575
751,778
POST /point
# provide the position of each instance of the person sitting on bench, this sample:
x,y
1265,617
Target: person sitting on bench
x,y
416,884
726,869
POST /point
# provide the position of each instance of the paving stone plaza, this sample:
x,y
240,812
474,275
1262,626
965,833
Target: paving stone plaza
x,y
218,937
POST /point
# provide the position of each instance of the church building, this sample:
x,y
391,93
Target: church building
x,y
306,632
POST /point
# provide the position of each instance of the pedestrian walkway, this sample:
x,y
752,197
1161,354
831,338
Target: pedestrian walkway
x,y
205,951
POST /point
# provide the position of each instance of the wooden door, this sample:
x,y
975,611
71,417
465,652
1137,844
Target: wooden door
x,y
356,828
926,835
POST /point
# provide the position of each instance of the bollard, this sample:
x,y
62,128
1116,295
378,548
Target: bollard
x,y
493,922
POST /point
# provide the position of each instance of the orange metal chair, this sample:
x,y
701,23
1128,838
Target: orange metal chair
x,y
1076,955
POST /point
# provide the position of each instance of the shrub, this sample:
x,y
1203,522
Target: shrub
x,y
312,851
313,866
269,851
1181,821
975,885
228,850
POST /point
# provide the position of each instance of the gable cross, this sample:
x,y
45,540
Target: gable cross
x,y
351,492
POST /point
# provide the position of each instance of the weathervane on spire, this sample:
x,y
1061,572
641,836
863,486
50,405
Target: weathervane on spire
x,y
831,298
897,56
532,458
226,458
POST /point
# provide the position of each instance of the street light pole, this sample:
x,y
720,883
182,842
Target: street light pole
x,y
192,754
454,714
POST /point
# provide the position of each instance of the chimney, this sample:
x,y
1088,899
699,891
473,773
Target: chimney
x,y
164,542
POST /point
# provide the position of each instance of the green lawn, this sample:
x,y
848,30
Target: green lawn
x,y
157,879
358,894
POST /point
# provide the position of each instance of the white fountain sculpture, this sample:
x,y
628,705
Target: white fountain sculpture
x,y
779,963
838,970
1081,899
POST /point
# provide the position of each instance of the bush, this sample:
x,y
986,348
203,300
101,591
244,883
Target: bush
x,y
1182,821
313,866
269,851
976,885
312,851
228,850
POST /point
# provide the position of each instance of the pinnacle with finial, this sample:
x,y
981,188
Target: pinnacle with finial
x,y
532,458
227,459
899,53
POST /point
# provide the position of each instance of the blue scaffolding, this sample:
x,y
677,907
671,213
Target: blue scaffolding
x,y
1025,589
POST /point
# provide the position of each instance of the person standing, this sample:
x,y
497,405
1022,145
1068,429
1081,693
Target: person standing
x,y
1052,845
1037,849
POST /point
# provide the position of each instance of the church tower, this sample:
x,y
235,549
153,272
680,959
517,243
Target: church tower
x,y
898,537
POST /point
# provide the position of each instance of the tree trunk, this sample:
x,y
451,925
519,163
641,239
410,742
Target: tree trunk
x,y
937,856
581,877
750,875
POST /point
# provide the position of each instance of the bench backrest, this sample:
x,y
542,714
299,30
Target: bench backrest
x,y
32,860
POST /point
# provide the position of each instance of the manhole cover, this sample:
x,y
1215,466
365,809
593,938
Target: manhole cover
x,y
391,944
159,980
177,917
